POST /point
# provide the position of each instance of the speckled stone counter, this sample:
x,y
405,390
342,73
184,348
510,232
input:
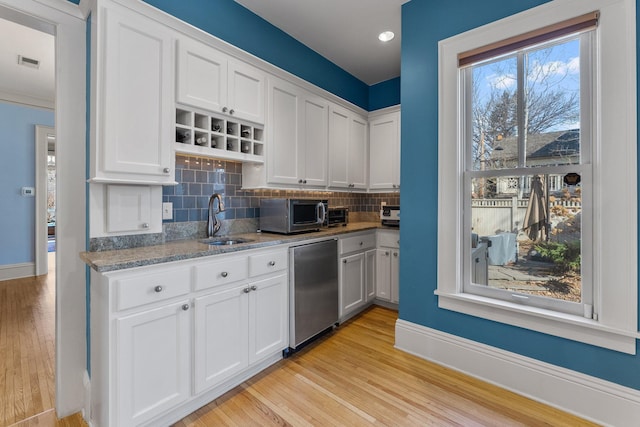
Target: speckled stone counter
x,y
188,249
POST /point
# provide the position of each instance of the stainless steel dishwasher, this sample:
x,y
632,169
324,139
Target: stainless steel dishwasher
x,y
313,291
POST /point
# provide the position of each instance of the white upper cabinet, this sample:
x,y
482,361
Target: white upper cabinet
x,y
213,81
297,136
133,98
347,150
384,149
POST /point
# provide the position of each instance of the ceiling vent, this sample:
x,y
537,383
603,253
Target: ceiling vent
x,y
28,62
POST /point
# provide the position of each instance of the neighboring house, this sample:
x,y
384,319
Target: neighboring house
x,y
551,148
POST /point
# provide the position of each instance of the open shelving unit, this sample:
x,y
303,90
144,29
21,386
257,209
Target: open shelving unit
x,y
219,137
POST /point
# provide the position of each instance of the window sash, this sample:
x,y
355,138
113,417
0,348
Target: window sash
x,y
584,168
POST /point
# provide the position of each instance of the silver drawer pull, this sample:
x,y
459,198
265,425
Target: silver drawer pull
x,y
246,290
254,288
158,288
272,263
185,307
224,274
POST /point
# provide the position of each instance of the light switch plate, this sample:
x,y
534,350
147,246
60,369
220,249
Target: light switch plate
x,y
167,210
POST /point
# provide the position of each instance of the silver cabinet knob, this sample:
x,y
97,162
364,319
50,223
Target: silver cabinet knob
x,y
272,263
166,170
232,111
299,181
395,254
224,109
304,181
145,225
361,243
386,253
185,307
254,288
224,274
246,290
344,261
158,288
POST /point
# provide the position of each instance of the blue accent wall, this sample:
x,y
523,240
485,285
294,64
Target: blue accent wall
x,y
384,94
242,28
17,163
424,23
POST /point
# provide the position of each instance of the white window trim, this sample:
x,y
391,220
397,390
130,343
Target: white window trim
x,y
615,213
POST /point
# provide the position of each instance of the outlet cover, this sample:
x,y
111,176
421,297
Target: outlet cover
x,y
167,210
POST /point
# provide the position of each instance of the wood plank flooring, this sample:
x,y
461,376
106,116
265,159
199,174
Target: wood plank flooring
x,y
27,345
355,377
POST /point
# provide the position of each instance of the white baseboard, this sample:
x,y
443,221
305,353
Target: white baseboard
x,y
591,398
17,271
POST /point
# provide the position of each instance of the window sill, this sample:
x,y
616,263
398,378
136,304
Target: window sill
x,y
549,322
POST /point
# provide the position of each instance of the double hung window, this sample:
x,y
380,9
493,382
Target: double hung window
x,y
537,194
527,175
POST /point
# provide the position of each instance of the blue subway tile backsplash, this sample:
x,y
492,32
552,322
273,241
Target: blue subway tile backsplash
x,y
198,178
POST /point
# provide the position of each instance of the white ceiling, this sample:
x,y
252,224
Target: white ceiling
x,y
24,84
343,31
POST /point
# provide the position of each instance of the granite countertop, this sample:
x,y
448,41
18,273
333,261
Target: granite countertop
x,y
120,259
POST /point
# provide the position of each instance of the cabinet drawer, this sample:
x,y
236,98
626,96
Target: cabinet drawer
x,y
268,262
390,239
216,273
357,243
151,287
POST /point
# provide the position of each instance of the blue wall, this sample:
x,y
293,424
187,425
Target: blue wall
x,y
424,23
384,94
17,163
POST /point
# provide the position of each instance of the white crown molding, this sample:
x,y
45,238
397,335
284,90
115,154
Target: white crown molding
x,y
598,400
63,6
27,100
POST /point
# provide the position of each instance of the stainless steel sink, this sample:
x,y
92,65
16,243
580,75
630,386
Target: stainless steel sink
x,y
224,241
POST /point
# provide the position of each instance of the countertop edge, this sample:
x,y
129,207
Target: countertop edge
x,y
179,250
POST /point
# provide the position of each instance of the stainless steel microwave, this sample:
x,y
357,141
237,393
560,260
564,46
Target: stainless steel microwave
x,y
288,216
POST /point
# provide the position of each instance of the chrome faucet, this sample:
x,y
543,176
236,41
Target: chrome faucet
x,y
213,224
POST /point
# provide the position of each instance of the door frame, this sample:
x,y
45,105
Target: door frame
x,y
42,151
71,217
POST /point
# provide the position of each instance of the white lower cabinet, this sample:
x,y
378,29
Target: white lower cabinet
x,y
154,362
237,327
388,266
370,274
165,338
355,271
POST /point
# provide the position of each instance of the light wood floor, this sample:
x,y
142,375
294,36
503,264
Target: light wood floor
x,y
355,377
27,342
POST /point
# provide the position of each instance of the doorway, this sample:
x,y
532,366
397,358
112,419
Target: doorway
x,y
45,197
67,22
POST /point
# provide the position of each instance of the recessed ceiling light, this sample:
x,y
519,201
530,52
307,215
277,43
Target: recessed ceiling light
x,y
386,36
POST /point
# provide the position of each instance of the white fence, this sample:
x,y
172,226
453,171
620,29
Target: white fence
x,y
493,216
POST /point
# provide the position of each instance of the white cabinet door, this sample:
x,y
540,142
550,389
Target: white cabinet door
x,y
384,149
268,317
348,149
339,147
370,274
283,155
213,81
394,277
246,86
221,336
202,75
136,99
314,142
383,274
298,136
128,208
357,166
352,283
153,361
